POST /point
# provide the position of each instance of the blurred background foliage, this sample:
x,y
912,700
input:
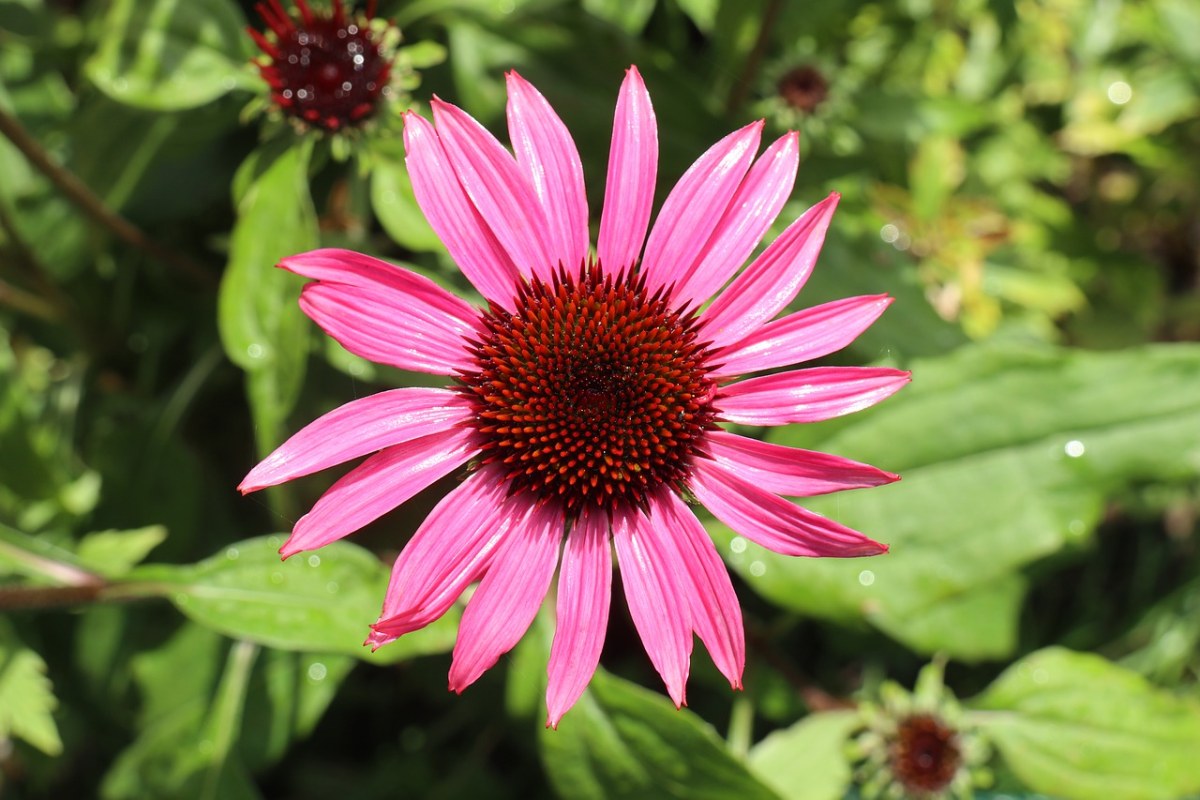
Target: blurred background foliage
x,y
1022,177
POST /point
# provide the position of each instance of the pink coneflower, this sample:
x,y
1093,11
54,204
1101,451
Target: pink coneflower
x,y
587,398
325,69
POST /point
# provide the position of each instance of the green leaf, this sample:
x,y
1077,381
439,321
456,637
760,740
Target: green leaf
x,y
702,13
26,696
262,328
289,695
1074,725
630,16
621,740
808,760
114,553
170,54
396,206
1007,456
319,602
191,687
179,751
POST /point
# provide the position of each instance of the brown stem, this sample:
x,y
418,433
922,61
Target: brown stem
x,y
78,193
27,303
816,698
39,597
741,87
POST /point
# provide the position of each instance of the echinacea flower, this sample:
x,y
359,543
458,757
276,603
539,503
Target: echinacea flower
x,y
587,398
919,744
325,69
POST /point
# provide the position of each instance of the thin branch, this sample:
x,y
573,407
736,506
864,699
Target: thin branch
x,y
27,303
816,698
741,88
78,193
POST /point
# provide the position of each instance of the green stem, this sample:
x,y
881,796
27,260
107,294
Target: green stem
x,y
226,721
741,88
741,726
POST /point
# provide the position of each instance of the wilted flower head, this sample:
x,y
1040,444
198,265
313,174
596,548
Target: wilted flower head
x,y
918,746
325,69
587,399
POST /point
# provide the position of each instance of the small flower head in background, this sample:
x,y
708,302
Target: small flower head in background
x,y
803,88
326,69
588,397
917,745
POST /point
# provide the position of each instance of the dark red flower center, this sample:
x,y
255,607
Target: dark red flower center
x,y
804,88
327,70
591,391
925,755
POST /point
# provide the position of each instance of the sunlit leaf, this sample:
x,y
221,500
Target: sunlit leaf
x,y
321,602
623,741
114,553
1074,725
808,760
1007,456
170,54
27,699
262,327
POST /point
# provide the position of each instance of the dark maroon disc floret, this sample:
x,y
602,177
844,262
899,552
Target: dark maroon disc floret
x,y
326,69
592,391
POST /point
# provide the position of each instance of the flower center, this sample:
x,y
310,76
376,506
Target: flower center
x,y
326,70
925,756
591,392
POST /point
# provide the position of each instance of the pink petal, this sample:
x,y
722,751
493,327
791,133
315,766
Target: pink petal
x,y
808,395
632,167
772,280
379,484
790,470
448,552
403,289
497,188
655,601
753,208
381,330
771,521
357,428
509,595
803,336
714,609
695,206
547,155
470,242
584,594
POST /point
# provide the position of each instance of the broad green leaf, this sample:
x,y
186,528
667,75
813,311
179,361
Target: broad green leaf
x,y
321,602
623,741
1007,456
628,15
114,553
396,206
170,54
190,689
288,696
27,699
262,328
175,748
1074,725
808,760
702,13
